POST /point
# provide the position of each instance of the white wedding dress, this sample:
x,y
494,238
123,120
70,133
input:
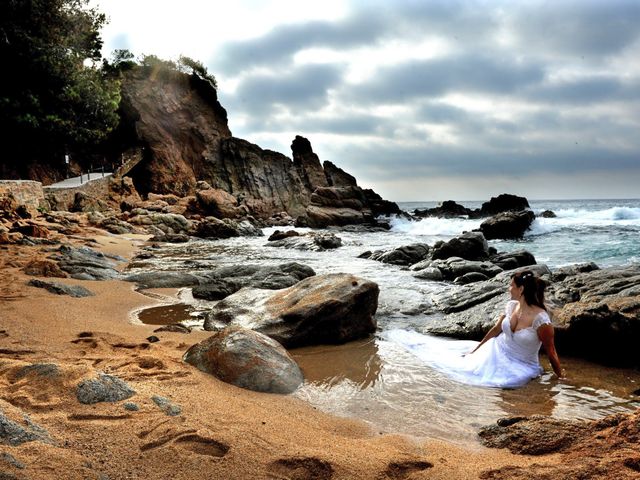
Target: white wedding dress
x,y
509,360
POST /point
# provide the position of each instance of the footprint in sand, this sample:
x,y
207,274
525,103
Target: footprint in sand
x,y
401,470
301,468
202,445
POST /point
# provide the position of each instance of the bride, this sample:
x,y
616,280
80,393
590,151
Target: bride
x,y
507,356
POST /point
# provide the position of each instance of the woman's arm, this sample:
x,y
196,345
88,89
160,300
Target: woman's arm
x,y
494,332
546,334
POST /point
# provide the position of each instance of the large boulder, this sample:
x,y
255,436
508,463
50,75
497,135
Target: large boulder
x,y
470,246
503,203
324,309
167,222
405,255
247,359
604,448
218,203
511,260
508,225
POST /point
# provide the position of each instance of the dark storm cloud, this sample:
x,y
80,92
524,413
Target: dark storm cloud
x,y
436,77
580,27
303,89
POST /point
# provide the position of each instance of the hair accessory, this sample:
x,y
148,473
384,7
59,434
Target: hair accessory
x,y
526,275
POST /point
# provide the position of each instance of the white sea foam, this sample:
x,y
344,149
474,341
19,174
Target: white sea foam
x,y
577,218
434,226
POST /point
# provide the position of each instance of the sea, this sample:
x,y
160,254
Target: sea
x,y
377,381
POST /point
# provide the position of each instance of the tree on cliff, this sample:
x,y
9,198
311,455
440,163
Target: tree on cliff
x,y
53,96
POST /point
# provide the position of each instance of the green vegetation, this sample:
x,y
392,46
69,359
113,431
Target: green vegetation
x,y
52,95
57,93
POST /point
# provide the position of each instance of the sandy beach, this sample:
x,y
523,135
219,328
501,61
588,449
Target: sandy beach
x,y
221,431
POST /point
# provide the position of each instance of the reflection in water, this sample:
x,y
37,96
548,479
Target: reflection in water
x,y
357,362
380,382
165,314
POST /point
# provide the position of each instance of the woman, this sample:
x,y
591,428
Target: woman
x,y
507,356
510,349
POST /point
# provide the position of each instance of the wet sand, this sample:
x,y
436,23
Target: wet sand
x,y
222,431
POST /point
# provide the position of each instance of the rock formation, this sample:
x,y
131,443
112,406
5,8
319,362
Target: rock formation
x,y
182,129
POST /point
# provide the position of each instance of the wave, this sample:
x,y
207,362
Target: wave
x,y
578,219
433,226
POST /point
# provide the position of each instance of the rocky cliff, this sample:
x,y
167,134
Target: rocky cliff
x,y
183,131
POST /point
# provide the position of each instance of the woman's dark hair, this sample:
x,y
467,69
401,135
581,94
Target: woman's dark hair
x,y
533,287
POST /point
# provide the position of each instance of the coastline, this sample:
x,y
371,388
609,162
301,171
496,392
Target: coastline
x,y
223,430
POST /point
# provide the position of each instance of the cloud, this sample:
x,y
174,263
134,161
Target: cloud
x,y
589,28
301,89
469,72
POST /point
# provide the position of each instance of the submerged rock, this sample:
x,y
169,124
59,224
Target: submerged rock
x,y
312,241
405,255
247,359
334,308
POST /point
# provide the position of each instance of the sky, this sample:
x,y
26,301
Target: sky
x,y
421,100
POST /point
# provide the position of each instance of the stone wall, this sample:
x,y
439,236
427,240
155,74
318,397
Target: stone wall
x,y
25,192
63,198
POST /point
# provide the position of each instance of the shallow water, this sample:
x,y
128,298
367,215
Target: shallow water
x,y
378,381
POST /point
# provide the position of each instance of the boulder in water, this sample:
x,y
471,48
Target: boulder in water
x,y
324,309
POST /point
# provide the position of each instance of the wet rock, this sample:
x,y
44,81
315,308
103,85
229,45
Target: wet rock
x,y
333,308
174,327
279,235
470,277
17,428
312,241
162,279
430,273
225,281
247,359
327,241
62,289
216,289
508,225
503,203
535,435
511,260
571,270
470,246
447,209
455,267
85,264
405,255
43,268
103,388
548,214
